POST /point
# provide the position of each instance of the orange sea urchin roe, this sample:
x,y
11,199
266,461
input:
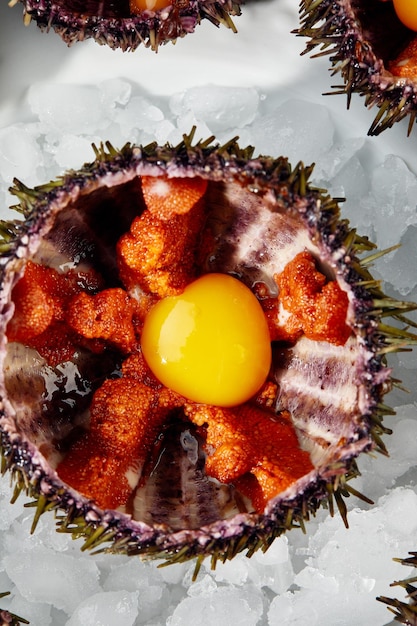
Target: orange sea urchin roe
x,y
127,414
40,298
97,464
211,344
158,253
317,307
406,11
106,315
166,197
405,65
138,6
254,448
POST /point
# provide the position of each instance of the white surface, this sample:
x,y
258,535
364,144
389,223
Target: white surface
x,y
53,104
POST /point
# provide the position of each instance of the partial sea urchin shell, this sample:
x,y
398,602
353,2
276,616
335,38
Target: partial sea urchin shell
x,y
261,214
113,24
10,619
405,613
363,38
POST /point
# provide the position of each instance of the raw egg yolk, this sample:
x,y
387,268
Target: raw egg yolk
x,y
211,344
406,11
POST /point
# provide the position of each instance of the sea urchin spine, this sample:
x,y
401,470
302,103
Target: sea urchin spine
x,y
363,38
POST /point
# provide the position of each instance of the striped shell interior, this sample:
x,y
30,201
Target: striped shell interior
x,y
320,384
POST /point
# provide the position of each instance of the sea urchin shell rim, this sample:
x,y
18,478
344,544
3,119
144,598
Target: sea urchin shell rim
x,y
332,26
150,28
81,517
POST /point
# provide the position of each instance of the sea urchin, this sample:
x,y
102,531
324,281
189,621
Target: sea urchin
x,y
372,49
125,24
126,458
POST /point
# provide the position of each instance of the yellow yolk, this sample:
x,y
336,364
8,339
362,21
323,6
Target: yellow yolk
x,y
211,344
406,11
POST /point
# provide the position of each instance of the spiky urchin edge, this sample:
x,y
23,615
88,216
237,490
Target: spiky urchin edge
x,y
405,613
332,26
150,29
10,619
224,539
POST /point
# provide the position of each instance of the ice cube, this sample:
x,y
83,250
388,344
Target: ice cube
x,y
111,608
220,107
297,129
68,108
210,605
43,575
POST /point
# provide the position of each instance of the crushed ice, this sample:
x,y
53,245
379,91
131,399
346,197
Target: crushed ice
x,y
51,581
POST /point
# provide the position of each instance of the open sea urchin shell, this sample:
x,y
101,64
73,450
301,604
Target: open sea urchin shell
x,y
113,24
363,38
260,214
